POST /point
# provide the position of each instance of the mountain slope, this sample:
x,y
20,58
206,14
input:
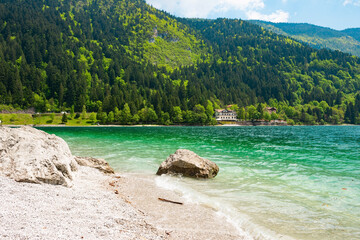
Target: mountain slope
x,y
353,32
347,41
154,35
111,55
97,43
295,67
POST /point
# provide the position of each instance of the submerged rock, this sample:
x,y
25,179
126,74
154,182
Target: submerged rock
x,y
31,155
188,164
97,163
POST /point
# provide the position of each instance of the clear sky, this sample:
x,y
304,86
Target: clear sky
x,y
336,14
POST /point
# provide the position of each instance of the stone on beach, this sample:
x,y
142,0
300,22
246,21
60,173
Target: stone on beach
x,y
188,164
97,163
31,155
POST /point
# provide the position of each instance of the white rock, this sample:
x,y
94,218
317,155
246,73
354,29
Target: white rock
x,y
97,163
188,164
31,155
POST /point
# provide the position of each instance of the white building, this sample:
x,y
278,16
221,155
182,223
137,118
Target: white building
x,y
225,115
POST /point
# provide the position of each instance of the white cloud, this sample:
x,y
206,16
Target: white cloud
x,y
205,8
184,8
352,2
277,16
241,4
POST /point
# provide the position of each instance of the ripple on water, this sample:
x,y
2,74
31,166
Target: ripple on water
x,y
302,182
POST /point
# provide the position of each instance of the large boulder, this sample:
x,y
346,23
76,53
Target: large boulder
x,y
31,155
188,164
97,163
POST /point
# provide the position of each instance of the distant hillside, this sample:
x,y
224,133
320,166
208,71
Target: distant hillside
x,y
133,63
347,41
353,32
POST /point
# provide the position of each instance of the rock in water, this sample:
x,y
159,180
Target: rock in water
x,y
97,163
189,164
31,155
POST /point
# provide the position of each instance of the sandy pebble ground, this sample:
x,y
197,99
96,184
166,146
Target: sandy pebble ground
x,y
102,206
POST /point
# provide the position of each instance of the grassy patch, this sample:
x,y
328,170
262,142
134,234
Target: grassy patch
x,y
41,119
16,119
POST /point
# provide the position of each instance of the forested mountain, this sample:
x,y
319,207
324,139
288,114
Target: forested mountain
x,y
347,40
353,32
132,63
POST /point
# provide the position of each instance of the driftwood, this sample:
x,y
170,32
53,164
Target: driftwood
x,y
169,201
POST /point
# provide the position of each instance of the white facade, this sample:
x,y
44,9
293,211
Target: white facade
x,y
225,115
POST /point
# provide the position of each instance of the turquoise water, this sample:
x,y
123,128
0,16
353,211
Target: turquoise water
x,y
274,182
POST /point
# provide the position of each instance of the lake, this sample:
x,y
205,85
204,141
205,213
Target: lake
x,y
299,182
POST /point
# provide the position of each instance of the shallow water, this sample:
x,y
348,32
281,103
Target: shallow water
x,y
274,182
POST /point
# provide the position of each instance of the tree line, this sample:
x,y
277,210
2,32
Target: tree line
x,y
99,55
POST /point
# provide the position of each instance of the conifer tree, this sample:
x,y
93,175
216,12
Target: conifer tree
x,y
64,118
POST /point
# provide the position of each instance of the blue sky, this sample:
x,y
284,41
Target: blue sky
x,y
336,14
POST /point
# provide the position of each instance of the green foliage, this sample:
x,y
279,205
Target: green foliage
x,y
274,116
92,117
83,113
199,115
176,115
125,115
135,118
102,117
165,118
102,56
319,37
110,117
117,115
72,112
209,109
16,119
241,114
260,111
154,35
52,117
64,118
252,113
13,118
147,115
290,122
267,116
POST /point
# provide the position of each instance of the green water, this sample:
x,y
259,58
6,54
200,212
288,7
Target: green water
x,y
274,182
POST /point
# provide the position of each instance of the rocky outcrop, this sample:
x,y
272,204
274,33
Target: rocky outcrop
x,y
188,164
31,155
97,163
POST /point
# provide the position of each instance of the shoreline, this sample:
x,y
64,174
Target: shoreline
x,y
100,206
148,125
136,192
188,221
88,210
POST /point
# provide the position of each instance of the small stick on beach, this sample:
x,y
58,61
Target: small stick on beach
x,y
166,200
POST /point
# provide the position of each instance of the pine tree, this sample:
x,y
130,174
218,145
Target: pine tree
x,y
260,109
350,115
83,113
176,115
64,118
241,113
72,112
125,115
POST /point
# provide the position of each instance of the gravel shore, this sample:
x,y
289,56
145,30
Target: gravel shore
x,y
100,206
88,210
90,201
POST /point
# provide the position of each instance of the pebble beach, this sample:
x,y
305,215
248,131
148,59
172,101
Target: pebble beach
x,y
100,206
